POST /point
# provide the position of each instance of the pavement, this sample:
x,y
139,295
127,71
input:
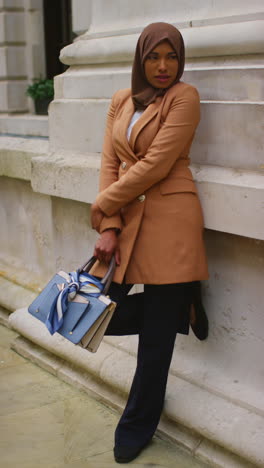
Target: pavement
x,y
46,423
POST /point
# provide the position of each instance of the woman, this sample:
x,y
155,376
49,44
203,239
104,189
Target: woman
x,y
149,217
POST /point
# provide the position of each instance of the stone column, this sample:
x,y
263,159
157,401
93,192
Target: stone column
x,y
224,44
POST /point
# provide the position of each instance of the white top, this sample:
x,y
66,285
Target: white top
x,y
134,119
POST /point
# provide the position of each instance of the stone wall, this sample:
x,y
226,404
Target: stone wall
x,y
215,390
21,52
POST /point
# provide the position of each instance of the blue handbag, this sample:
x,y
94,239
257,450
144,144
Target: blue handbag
x,y
76,306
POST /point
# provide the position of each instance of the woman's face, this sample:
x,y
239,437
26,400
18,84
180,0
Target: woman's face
x,y
161,66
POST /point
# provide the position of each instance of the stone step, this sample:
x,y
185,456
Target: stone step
x,y
222,84
230,134
24,125
16,155
220,138
214,81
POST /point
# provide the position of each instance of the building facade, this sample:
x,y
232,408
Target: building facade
x,y
215,401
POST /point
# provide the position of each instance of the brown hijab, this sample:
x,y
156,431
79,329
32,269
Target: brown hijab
x,y
143,93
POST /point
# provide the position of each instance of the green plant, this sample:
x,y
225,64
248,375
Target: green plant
x,y
41,89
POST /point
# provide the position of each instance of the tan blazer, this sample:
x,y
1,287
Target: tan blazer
x,y
147,189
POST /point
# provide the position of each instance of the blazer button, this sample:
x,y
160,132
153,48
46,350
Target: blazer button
x,y
141,198
123,165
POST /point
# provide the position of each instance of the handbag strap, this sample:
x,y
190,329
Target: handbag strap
x,y
108,277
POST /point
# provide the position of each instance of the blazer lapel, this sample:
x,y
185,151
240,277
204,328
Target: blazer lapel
x,y
126,116
145,118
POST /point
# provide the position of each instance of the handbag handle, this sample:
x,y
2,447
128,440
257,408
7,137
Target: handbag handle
x,y
108,277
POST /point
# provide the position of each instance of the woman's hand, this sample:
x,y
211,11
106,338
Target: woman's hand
x,y
96,216
107,246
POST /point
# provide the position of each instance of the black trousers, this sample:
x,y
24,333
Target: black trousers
x,y
156,315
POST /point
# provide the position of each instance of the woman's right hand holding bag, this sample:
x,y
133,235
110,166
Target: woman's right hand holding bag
x,y
106,246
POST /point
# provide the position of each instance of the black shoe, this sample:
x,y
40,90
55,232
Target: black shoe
x,y
200,327
125,454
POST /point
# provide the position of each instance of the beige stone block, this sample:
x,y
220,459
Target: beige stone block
x,y
8,358
12,4
228,135
32,251
233,427
113,49
37,355
238,195
11,295
127,343
12,27
98,82
244,37
224,39
216,457
34,4
81,15
4,316
7,335
41,249
232,299
122,16
91,385
12,62
37,332
26,125
68,175
220,84
35,43
12,96
16,155
87,135
217,82
73,240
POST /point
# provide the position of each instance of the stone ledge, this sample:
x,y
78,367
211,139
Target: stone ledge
x,y
219,139
4,317
73,177
99,82
238,194
24,125
202,41
131,25
13,295
16,155
240,431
